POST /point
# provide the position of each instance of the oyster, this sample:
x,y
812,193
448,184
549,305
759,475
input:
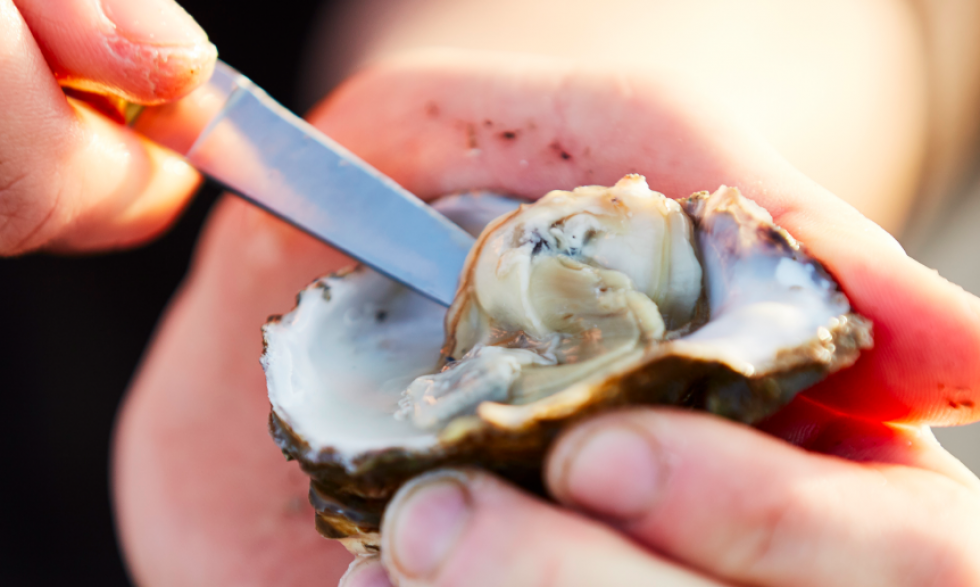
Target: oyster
x,y
581,302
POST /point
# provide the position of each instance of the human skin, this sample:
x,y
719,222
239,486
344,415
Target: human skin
x,y
204,498
198,481
71,180
875,100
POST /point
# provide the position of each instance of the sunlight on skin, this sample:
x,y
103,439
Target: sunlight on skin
x,y
838,88
70,179
198,480
196,476
203,496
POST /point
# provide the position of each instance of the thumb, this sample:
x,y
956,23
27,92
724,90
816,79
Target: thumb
x,y
146,51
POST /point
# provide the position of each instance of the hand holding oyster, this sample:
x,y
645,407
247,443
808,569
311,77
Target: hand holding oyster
x,y
203,496
584,301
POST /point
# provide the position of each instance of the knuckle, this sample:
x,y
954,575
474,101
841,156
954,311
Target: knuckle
x,y
790,528
541,570
776,519
531,548
28,206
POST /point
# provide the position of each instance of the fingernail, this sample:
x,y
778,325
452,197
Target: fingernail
x,y
365,573
156,22
613,470
423,524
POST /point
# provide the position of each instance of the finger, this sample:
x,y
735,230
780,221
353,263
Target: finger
x,y
439,122
147,51
200,395
816,428
69,178
365,572
736,503
469,529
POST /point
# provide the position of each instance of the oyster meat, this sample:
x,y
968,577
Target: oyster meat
x,y
581,302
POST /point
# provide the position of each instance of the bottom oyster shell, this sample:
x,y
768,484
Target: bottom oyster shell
x,y
338,364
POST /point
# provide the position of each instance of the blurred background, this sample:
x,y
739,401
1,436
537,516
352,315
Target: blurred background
x,y
77,326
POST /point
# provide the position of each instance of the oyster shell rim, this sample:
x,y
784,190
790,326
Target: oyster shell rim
x,y
350,493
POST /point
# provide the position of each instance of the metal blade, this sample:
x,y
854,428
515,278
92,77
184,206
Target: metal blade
x,y
274,159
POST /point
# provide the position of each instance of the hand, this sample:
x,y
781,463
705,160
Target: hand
x,y
71,179
203,495
696,501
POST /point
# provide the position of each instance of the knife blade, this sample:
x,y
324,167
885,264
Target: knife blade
x,y
237,135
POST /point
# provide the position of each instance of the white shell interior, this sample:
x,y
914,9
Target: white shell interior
x,y
760,302
336,370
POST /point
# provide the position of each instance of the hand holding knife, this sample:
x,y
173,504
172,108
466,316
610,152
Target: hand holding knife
x,y
237,135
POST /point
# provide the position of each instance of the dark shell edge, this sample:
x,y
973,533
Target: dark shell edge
x,y
350,502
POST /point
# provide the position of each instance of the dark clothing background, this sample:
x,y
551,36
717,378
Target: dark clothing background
x,y
74,331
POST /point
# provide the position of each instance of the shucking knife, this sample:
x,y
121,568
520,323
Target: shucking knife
x,y
237,135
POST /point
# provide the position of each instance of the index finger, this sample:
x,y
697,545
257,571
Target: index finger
x,y
439,122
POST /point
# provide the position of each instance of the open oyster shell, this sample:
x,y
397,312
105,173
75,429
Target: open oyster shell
x,y
372,384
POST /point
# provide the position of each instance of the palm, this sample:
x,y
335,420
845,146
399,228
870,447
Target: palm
x,y
205,497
